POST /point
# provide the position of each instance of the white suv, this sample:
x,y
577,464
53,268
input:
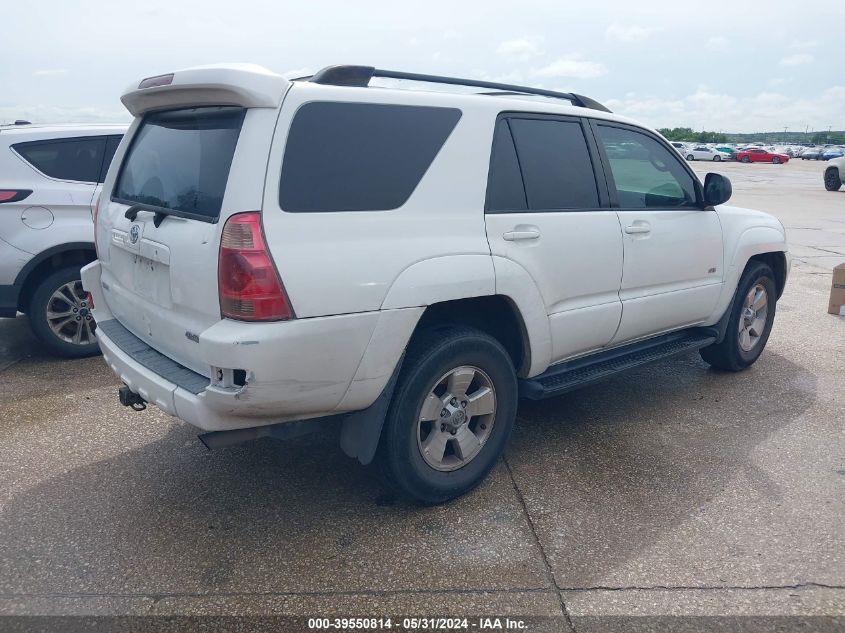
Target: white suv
x,y
49,178
406,263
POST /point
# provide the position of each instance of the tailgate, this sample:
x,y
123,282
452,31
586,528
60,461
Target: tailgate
x,y
159,221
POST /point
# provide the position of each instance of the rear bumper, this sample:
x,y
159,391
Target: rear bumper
x,y
294,370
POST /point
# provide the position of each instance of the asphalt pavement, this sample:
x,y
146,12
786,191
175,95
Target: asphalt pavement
x,y
672,490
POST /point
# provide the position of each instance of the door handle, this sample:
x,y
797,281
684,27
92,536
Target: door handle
x,y
638,227
512,236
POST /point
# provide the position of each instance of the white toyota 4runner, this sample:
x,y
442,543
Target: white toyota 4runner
x,y
280,255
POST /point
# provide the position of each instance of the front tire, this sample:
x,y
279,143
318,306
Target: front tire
x,y
832,179
451,415
60,316
745,159
750,322
717,159
776,160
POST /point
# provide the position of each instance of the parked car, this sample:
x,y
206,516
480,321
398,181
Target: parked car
x,y
833,173
757,155
729,151
700,152
681,147
49,177
811,153
405,264
833,152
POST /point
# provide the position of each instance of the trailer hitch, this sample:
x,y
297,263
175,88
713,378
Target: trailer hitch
x,y
129,398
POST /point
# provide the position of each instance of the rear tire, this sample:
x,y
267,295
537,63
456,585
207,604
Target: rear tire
x,y
832,179
748,328
59,314
690,157
429,456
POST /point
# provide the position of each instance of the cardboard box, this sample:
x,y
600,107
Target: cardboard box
x,y
837,291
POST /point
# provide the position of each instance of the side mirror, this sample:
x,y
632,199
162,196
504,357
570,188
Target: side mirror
x,y
717,189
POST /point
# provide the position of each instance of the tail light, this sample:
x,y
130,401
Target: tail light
x,y
250,288
14,195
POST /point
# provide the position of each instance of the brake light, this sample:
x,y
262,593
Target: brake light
x,y
14,195
249,286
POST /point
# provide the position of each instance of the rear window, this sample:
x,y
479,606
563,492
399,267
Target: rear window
x,y
359,156
179,161
78,159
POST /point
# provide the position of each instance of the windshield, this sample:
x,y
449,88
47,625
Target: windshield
x,y
179,161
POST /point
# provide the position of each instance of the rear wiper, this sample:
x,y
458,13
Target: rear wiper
x,y
160,213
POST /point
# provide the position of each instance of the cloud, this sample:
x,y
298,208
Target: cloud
x,y
803,44
49,72
520,50
765,111
717,42
799,59
629,33
571,66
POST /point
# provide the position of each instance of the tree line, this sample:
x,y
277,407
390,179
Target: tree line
x,y
690,135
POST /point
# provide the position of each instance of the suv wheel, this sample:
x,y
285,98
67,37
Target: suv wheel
x,y
750,323
832,179
61,317
451,414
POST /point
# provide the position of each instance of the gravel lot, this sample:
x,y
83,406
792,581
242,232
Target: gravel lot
x,y
671,490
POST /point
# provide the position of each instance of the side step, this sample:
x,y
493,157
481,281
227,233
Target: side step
x,y
576,373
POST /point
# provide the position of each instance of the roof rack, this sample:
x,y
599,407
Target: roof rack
x,y
360,76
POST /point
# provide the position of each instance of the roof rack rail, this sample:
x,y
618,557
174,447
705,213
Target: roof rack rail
x,y
360,76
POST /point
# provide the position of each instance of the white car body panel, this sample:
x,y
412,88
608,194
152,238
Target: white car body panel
x,y
672,274
576,263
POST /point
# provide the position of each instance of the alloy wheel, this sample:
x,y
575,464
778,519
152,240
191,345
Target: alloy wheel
x,y
69,314
752,319
456,418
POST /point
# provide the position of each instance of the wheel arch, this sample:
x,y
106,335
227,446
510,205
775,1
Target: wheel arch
x,y
48,261
776,260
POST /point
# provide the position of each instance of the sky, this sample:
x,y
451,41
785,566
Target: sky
x,y
733,66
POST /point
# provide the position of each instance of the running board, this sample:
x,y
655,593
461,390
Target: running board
x,y
569,375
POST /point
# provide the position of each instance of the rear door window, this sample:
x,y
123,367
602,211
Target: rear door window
x,y
179,161
78,159
554,162
359,156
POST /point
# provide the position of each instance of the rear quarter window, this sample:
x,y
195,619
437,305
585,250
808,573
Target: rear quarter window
x,y
359,156
78,159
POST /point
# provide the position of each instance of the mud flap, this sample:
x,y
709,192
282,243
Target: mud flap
x,y
361,430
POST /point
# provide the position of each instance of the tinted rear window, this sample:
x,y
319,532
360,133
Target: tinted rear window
x,y
359,156
66,159
555,162
179,160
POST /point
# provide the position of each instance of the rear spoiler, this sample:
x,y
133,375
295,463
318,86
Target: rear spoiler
x,y
244,85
